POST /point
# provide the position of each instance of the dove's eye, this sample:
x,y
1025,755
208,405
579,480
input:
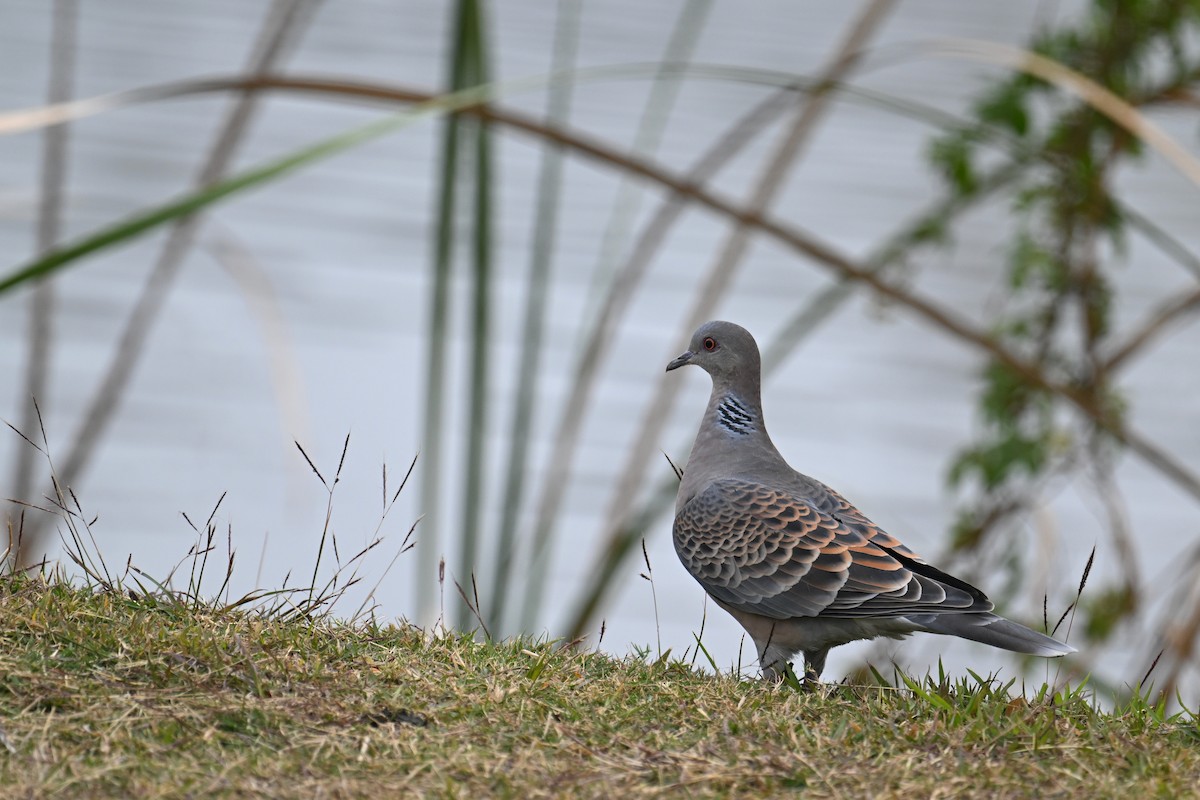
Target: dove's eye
x,y
710,343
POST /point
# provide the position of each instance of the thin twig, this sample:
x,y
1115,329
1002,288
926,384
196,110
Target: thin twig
x,y
1166,314
1162,239
65,15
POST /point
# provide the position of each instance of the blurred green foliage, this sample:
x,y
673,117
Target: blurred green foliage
x,y
1065,217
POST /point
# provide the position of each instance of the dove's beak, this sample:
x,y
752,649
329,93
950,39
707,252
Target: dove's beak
x,y
679,362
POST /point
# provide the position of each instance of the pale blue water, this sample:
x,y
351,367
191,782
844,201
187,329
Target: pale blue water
x,y
873,403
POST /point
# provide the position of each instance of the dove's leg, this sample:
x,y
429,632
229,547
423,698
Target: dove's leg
x,y
814,665
774,661
773,669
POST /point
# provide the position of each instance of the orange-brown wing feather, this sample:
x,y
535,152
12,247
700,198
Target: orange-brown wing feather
x,y
833,504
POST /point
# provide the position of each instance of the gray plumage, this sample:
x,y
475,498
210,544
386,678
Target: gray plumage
x,y
799,567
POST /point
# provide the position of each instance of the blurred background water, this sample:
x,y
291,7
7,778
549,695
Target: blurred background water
x,y
874,403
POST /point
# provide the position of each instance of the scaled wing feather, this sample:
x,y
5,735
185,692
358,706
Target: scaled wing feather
x,y
771,552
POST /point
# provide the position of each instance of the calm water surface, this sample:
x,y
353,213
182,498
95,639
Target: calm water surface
x,y
874,403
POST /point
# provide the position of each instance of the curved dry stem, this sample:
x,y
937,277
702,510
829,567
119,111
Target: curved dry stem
x,y
262,300
801,242
1104,101
1167,314
797,240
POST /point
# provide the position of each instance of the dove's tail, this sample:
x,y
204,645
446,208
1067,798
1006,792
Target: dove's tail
x,y
994,630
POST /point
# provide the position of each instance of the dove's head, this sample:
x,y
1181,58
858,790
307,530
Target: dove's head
x,y
725,351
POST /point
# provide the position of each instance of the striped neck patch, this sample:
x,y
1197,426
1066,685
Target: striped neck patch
x,y
734,417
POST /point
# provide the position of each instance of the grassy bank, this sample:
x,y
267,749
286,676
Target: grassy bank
x,y
108,695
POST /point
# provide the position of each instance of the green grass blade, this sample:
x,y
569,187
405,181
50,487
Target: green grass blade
x,y
145,221
474,57
191,202
566,42
707,655
428,544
